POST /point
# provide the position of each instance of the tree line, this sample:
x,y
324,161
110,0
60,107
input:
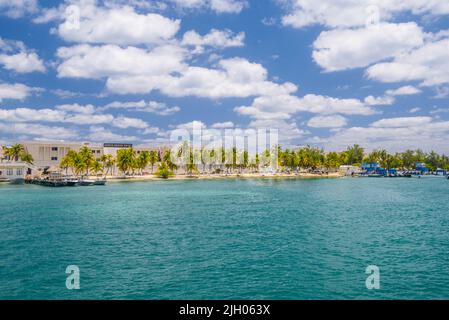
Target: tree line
x,y
17,152
130,162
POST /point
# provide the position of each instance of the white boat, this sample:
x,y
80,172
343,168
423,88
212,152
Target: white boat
x,y
4,180
100,182
86,182
17,181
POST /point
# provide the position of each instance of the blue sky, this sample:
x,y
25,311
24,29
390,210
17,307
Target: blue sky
x,y
325,73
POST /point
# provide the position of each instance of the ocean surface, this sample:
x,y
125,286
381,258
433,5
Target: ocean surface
x,y
233,239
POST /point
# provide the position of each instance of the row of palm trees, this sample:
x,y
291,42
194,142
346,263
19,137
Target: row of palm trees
x,y
130,162
83,162
17,152
313,158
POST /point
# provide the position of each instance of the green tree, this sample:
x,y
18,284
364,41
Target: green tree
x,y
126,160
14,151
86,156
154,158
164,171
143,160
355,154
108,162
97,167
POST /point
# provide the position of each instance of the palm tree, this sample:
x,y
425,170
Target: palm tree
x,y
143,160
26,157
164,171
154,158
108,162
15,151
87,157
97,167
65,164
355,154
126,159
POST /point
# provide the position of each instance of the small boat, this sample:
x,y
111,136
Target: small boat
x,y
375,175
86,183
17,181
100,182
4,180
71,183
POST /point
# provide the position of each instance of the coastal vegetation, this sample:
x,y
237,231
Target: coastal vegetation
x,y
306,159
17,152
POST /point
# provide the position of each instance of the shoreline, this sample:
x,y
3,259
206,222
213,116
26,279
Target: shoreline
x,y
224,177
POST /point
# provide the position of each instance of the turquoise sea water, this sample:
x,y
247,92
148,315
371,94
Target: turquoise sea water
x,y
234,239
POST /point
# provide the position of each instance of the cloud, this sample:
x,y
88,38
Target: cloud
x,y
395,135
102,134
87,23
219,6
87,109
155,107
335,121
401,122
16,57
16,91
355,13
379,101
71,114
215,39
125,122
191,125
223,125
403,91
94,62
232,78
428,64
342,49
17,8
39,130
284,106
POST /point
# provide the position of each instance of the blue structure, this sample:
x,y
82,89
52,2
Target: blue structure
x,y
392,171
370,167
441,172
373,168
421,167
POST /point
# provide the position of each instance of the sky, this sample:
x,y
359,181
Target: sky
x,y
328,73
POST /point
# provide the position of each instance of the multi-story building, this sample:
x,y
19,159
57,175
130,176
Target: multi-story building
x,y
48,153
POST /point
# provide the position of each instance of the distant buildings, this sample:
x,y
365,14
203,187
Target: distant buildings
x,y
48,154
421,167
14,171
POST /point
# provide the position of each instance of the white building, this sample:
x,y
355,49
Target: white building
x,y
14,171
349,170
48,153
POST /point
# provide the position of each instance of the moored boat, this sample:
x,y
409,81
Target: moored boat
x,y
100,182
4,180
71,183
17,181
86,183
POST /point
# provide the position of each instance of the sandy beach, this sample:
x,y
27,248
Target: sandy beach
x,y
227,176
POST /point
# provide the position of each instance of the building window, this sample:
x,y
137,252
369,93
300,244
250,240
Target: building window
x,y
54,148
19,172
9,172
54,158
